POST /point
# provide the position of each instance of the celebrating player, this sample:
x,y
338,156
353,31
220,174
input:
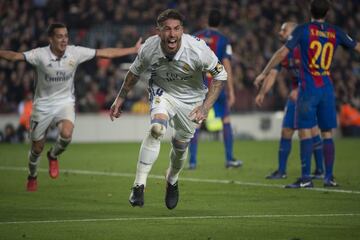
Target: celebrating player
x,y
177,94
291,62
316,101
54,98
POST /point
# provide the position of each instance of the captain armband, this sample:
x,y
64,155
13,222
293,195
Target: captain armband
x,y
217,69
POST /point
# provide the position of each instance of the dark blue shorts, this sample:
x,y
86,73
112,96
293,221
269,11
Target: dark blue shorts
x,y
221,107
317,107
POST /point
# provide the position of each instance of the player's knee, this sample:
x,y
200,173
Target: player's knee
x,y
287,132
179,146
37,148
66,134
158,128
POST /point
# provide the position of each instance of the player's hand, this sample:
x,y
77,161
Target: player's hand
x,y
258,80
199,114
259,99
115,109
294,95
138,45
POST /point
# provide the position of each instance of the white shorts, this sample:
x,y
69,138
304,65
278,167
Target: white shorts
x,y
42,118
178,113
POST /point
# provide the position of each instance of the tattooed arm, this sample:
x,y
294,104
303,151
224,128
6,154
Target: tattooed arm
x,y
200,113
129,82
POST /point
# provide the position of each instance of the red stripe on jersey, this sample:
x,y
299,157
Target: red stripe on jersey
x,y
318,81
297,65
333,42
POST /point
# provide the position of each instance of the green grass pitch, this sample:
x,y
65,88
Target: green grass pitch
x,y
89,200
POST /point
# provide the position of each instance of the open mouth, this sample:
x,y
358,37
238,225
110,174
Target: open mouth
x,y
172,43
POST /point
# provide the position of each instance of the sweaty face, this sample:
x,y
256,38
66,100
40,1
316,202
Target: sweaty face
x,y
170,35
284,32
59,40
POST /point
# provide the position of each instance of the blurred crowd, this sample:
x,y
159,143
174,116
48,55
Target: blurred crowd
x,y
252,27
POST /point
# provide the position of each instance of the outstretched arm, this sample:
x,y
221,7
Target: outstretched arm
x,y
11,55
200,113
275,60
129,82
118,52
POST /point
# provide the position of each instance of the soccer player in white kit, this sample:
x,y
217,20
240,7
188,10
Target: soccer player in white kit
x,y
177,94
54,98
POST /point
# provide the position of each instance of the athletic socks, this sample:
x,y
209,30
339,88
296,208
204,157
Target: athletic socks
x,y
329,155
318,154
149,152
228,141
306,149
33,163
59,146
193,147
177,161
284,151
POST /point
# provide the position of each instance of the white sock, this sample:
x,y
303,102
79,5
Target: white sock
x,y
33,163
149,152
59,146
177,162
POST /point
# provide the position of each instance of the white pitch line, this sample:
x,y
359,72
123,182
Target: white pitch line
x,y
198,180
182,218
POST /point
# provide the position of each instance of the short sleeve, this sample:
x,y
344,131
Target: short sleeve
x,y
294,38
344,39
228,51
140,64
84,54
32,56
211,64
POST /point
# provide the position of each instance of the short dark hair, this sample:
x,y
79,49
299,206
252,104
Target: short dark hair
x,y
53,26
319,8
215,18
169,14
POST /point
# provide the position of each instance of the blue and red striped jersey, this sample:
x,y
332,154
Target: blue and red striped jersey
x,y
317,42
218,43
292,64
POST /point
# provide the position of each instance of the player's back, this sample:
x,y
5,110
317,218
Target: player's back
x,y
318,42
217,42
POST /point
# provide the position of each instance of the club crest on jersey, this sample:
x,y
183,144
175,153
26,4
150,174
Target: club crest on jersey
x,y
71,63
157,100
186,67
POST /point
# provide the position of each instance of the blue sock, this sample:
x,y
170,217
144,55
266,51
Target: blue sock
x,y
228,141
284,151
193,148
306,149
329,155
318,154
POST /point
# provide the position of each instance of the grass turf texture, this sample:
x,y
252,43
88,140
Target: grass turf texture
x,y
94,205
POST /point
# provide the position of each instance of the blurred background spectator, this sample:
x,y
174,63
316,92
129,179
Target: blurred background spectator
x,y
252,27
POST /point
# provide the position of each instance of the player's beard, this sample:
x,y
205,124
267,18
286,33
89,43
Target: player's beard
x,y
169,47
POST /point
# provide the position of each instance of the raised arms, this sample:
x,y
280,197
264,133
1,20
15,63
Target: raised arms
x,y
118,52
11,55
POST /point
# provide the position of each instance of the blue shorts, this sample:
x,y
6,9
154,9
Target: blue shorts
x,y
221,107
290,115
317,107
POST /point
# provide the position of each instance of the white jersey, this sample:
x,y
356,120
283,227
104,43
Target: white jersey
x,y
182,76
55,76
